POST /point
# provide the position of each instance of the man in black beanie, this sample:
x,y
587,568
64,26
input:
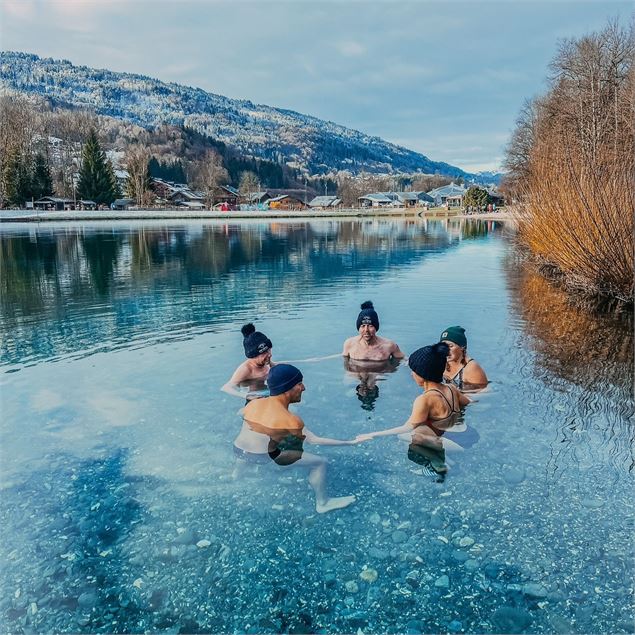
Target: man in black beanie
x,y
253,372
271,430
368,345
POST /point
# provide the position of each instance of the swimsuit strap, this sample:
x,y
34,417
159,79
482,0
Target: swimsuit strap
x,y
459,373
451,405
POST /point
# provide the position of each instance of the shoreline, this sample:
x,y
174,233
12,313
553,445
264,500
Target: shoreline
x,y
30,216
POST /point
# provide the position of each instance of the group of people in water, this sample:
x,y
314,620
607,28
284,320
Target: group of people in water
x,y
271,432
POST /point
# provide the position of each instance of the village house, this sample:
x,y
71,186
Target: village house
x,y
187,198
226,197
121,176
449,195
122,203
258,198
412,199
395,199
54,203
325,202
375,199
177,194
287,203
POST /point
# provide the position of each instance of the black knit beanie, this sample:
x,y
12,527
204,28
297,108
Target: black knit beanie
x,y
283,377
368,315
429,362
254,342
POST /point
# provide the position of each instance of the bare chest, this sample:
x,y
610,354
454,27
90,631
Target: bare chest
x,y
375,352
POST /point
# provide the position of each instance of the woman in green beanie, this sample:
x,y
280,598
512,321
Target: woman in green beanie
x,y
461,371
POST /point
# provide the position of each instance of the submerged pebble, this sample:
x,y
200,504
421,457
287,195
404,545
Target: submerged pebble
x,y
509,619
399,536
369,575
442,582
534,590
351,586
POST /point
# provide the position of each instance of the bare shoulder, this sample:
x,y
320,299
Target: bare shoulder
x,y
423,401
348,343
253,408
387,343
240,374
294,420
474,373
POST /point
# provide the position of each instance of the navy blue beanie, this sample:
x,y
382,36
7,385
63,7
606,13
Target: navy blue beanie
x,y
368,315
429,362
255,343
283,377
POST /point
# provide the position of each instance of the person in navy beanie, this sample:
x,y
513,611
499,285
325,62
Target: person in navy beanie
x,y
270,431
253,372
367,345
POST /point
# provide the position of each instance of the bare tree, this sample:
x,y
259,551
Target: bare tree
x,y
248,185
427,182
209,175
138,182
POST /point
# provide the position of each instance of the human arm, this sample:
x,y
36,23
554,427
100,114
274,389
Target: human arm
x,y
316,440
473,374
420,411
232,386
396,352
311,359
463,399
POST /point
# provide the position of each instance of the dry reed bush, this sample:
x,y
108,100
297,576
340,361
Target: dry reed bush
x,y
582,224
572,166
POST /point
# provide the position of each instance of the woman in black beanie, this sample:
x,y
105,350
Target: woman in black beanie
x,y
434,410
254,370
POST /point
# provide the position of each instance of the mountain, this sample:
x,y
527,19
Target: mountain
x,y
275,134
488,177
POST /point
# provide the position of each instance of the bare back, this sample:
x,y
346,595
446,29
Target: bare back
x,y
271,413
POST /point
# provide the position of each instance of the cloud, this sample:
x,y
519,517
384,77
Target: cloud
x,y
351,48
18,9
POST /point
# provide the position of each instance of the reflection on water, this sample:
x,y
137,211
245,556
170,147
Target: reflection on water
x,y
63,289
591,351
368,373
122,502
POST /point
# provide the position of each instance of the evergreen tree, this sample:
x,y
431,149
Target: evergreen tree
x,y
96,177
114,184
476,197
41,181
16,179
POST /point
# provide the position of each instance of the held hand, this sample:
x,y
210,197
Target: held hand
x,y
360,438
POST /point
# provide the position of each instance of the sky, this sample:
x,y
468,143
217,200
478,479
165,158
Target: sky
x,y
444,78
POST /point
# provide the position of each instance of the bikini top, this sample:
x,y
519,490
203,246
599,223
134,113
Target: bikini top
x,y
457,380
453,411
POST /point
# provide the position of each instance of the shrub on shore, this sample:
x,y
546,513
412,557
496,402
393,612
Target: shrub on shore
x,y
571,164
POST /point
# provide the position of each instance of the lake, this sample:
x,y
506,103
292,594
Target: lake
x,y
121,506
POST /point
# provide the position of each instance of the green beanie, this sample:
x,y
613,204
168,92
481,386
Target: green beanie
x,y
454,334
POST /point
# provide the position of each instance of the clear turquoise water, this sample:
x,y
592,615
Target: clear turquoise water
x,y
117,453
